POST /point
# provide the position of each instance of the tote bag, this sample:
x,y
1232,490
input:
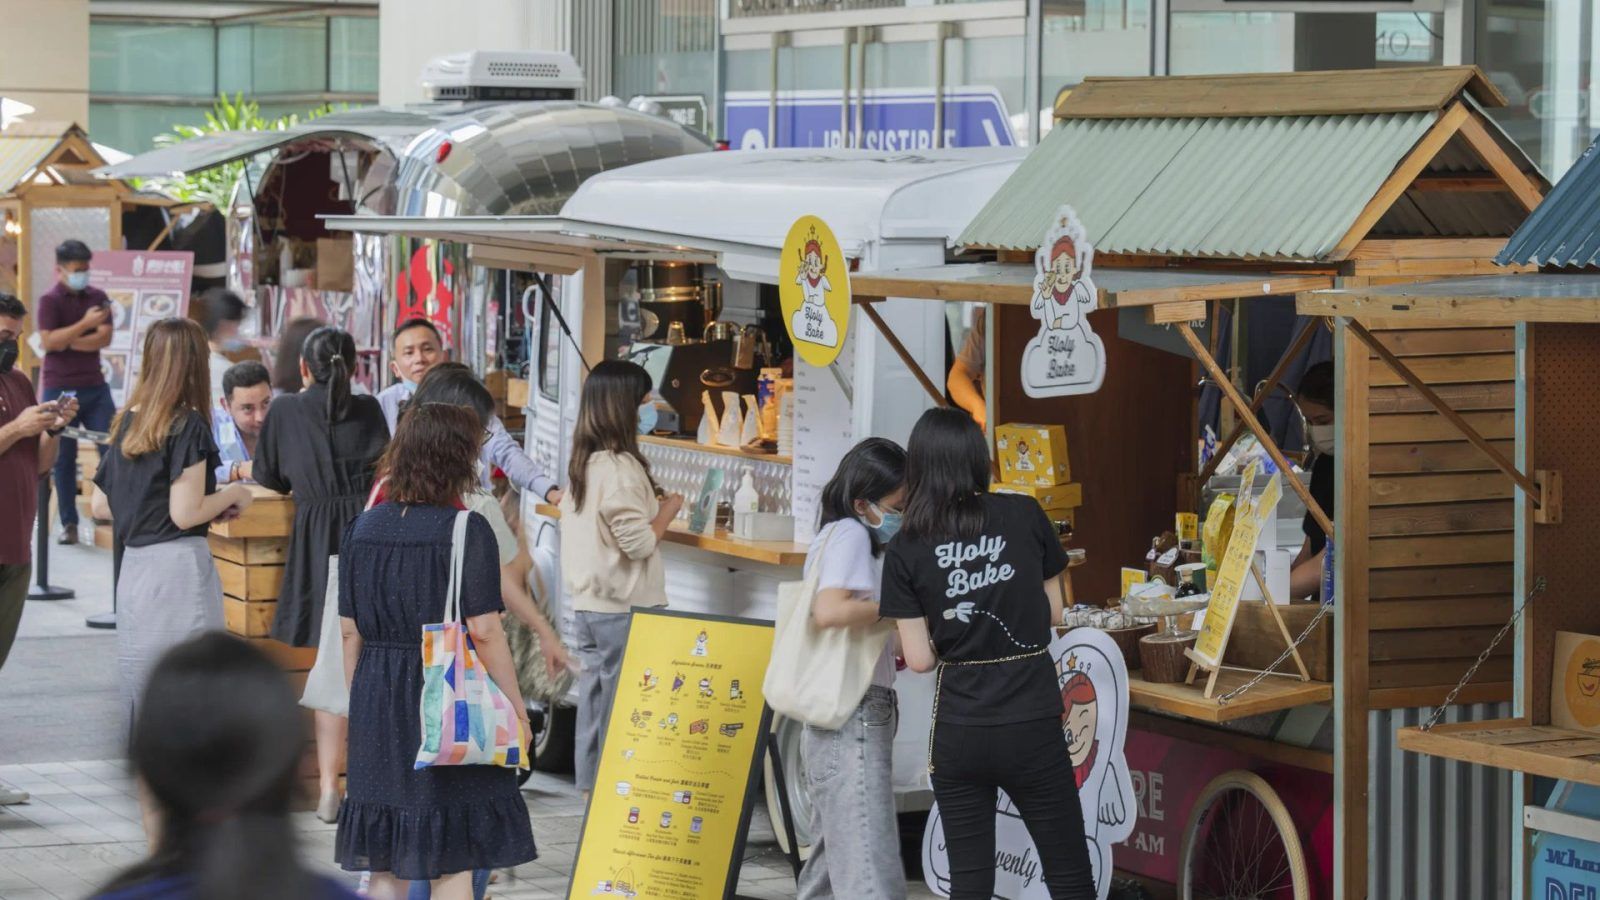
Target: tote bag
x,y
818,675
466,718
325,688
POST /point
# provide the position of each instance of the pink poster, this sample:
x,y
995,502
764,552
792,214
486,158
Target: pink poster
x,y
1168,776
144,286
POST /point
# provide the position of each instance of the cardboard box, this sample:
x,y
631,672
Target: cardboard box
x,y
1256,642
336,264
1032,454
516,393
1055,496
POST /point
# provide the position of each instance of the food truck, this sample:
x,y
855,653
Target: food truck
x,y
675,263
500,135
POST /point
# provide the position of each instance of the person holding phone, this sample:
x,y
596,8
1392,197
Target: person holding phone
x,y
74,321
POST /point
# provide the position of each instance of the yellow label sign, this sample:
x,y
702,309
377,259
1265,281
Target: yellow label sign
x,y
680,758
1248,518
1131,577
814,291
1188,526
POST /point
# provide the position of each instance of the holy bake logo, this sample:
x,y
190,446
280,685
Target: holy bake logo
x,y
1066,357
814,290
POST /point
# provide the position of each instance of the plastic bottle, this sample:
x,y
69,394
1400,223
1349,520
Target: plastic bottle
x,y
746,502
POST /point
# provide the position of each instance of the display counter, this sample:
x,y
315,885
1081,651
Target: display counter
x,y
721,543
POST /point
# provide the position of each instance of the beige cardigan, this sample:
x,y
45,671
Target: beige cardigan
x,y
609,559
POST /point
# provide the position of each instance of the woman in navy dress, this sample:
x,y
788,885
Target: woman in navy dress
x,y
434,824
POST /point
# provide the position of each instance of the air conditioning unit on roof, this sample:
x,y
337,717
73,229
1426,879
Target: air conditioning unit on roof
x,y
503,75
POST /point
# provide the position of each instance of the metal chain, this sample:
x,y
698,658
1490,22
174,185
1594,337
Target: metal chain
x,y
1438,711
1289,651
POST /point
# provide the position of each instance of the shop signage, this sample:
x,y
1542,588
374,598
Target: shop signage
x,y
1249,515
1563,867
682,752
144,286
1575,691
814,291
744,9
688,110
892,119
1066,357
1093,678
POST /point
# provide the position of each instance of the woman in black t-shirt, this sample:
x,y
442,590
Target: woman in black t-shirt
x,y
971,577
158,486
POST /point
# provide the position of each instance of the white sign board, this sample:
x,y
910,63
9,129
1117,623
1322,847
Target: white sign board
x,y
1093,678
1066,357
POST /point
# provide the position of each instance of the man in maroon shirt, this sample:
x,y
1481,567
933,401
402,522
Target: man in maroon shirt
x,y
27,448
74,321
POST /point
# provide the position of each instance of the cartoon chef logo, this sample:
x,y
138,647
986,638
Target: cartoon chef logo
x,y
1066,357
1080,722
814,289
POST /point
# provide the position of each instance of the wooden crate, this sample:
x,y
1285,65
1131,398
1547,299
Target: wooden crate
x,y
271,515
1256,642
249,551
252,584
247,619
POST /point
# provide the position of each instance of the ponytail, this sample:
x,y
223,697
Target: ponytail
x,y
330,356
338,389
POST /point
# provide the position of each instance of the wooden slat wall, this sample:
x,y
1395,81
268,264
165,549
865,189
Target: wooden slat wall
x,y
1439,544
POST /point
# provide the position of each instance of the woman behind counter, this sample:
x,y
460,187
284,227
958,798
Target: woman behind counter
x,y
322,445
158,486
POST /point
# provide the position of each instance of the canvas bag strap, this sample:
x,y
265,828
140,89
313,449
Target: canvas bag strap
x,y
815,575
458,552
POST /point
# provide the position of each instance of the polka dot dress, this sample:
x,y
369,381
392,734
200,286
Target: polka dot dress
x,y
419,824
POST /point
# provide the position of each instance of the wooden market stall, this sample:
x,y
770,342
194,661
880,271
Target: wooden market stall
x,y
1204,193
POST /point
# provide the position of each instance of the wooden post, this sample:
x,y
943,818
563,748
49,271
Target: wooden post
x,y
904,354
1351,635
1255,425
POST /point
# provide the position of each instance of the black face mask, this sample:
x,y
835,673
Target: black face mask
x,y
8,355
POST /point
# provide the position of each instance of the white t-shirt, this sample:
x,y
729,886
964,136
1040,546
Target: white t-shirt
x,y
487,506
848,564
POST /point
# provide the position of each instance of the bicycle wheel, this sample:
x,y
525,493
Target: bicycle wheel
x,y
1240,844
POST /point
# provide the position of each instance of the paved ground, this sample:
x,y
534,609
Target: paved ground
x,y
60,742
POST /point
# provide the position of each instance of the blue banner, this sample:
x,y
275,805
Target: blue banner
x,y
892,120
1566,868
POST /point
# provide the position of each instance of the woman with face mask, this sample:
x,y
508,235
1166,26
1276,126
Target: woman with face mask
x,y
613,517
853,824
1315,401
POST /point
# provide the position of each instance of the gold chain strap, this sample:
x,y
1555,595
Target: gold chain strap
x,y
938,687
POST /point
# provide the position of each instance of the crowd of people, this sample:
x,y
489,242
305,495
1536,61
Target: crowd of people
x,y
392,515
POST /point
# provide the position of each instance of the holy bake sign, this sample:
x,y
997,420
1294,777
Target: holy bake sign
x,y
1066,357
814,291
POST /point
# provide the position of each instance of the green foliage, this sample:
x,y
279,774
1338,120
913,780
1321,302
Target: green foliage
x,y
215,185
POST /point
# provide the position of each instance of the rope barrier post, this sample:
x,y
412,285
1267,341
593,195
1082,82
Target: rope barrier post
x,y
42,589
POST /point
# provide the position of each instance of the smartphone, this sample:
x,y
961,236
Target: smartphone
x,y
67,395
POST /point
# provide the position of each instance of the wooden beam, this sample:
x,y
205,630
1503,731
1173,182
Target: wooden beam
x,y
1262,393
1459,183
1428,248
1169,313
904,354
1352,673
1415,163
1501,163
1249,417
1525,482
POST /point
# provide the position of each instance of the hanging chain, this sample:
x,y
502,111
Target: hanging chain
x,y
1438,712
1289,651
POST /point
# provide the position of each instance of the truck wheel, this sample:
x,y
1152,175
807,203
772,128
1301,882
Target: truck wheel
x,y
552,745
786,732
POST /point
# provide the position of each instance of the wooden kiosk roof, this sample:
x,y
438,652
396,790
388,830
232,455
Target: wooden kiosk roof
x,y
1502,300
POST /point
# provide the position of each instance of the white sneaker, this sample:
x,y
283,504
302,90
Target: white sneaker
x,y
10,796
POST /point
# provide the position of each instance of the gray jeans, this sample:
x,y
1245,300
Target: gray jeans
x,y
855,837
601,638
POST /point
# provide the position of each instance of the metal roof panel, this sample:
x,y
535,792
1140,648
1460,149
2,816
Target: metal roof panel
x,y
1565,229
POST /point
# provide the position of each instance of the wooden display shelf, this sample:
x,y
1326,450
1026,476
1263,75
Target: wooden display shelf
x,y
692,444
271,515
1513,744
1274,694
773,553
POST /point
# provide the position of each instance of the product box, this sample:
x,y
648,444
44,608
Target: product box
x,y
1032,454
1055,496
1575,682
335,264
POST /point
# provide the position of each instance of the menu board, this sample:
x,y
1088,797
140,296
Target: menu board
x,y
1249,515
145,286
681,755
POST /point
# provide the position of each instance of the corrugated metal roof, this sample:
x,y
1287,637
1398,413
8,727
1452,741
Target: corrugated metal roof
x,y
1565,229
19,153
1267,187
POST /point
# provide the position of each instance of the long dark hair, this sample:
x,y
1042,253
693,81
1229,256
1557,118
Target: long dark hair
x,y
454,383
286,362
870,471
608,419
330,356
432,458
947,474
218,741
174,383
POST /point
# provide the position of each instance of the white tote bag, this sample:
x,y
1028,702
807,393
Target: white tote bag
x,y
325,688
818,675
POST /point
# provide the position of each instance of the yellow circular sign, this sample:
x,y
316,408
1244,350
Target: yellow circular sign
x,y
814,289
1581,683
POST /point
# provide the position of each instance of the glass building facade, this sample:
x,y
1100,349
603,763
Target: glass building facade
x,y
147,75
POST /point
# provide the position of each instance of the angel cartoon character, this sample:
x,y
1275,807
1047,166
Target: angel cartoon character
x,y
1079,722
1066,357
1024,459
812,322
1094,691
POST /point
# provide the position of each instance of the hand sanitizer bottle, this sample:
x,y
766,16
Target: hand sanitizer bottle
x,y
746,502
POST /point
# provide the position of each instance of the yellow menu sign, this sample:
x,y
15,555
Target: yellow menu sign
x,y
670,807
814,290
1249,516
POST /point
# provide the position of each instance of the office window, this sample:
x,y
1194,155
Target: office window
x,y
353,54
290,56
175,59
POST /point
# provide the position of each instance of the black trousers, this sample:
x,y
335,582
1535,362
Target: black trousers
x,y
1027,760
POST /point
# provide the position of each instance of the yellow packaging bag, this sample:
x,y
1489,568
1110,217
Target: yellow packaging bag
x,y
1218,528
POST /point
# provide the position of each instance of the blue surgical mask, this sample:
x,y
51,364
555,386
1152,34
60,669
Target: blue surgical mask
x,y
888,523
77,280
408,388
648,417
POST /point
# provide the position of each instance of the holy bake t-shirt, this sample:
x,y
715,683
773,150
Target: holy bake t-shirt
x,y
984,600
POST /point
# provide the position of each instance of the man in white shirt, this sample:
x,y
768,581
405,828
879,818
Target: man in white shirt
x,y
246,394
221,311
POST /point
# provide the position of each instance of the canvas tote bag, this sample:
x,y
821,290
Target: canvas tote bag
x,y
818,675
